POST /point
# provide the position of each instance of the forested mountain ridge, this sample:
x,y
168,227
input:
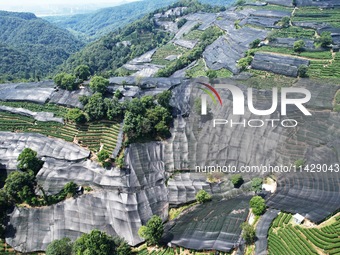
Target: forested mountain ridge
x,y
106,55
32,47
94,25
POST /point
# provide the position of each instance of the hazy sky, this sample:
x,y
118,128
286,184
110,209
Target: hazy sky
x,y
38,6
59,2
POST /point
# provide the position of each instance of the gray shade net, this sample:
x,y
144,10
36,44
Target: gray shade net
x,y
37,92
227,50
12,144
39,116
121,201
262,228
277,63
214,225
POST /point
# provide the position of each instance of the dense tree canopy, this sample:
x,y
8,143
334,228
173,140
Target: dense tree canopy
x,y
82,72
96,108
258,205
19,186
60,247
95,243
76,115
152,231
66,81
32,48
99,84
28,160
256,184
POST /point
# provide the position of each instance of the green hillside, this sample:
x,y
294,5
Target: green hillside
x,y
30,47
94,25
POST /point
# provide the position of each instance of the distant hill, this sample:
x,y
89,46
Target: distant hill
x,y
115,49
94,25
31,47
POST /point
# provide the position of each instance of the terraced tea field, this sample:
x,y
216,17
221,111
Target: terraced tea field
x,y
285,238
313,14
90,135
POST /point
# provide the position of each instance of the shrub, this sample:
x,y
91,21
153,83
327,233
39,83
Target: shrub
x,y
237,180
299,45
152,231
256,184
202,196
258,205
248,233
302,71
76,115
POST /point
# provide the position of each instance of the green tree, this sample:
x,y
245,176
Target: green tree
x,y
76,115
202,196
255,44
153,230
115,109
256,184
243,63
325,39
248,233
99,84
19,186
103,155
95,243
302,71
211,74
123,248
285,22
181,22
164,98
162,129
68,82
258,205
299,163
237,180
299,45
4,206
60,247
28,160
58,78
118,94
96,108
82,72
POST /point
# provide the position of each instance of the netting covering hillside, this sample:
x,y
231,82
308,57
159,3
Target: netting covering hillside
x,y
214,225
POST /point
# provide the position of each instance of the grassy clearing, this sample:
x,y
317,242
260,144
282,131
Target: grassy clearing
x,y
267,80
289,51
294,32
165,51
200,70
175,212
193,35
